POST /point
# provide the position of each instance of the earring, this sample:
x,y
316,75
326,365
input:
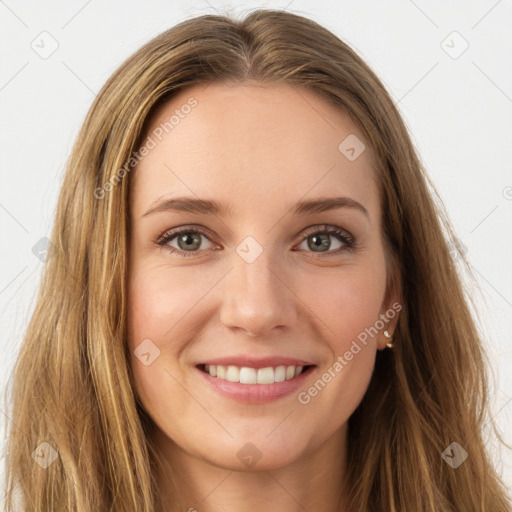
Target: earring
x,y
390,338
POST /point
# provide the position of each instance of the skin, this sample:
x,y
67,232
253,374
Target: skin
x,y
259,149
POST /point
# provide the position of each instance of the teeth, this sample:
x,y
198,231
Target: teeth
x,y
233,374
280,374
265,376
246,375
290,372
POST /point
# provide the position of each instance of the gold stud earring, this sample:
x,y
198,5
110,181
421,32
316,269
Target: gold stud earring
x,y
389,344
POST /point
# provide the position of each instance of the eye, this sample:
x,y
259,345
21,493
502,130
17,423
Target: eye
x,y
188,240
318,240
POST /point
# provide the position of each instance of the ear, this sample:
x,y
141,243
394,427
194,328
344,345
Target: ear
x,y
390,311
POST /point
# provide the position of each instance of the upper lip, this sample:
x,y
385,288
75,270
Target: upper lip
x,y
255,362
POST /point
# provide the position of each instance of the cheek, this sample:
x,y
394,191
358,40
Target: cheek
x,y
162,307
346,301
343,379
346,304
159,299
155,305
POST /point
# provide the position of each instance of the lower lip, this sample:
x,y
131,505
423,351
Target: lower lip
x,y
256,393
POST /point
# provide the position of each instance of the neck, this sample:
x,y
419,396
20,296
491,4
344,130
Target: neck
x,y
313,481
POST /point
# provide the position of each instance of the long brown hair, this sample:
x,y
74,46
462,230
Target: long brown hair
x,y
72,388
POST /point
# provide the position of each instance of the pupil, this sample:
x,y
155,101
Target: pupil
x,y
189,241
318,242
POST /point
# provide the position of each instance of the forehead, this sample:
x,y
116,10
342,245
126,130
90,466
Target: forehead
x,y
251,146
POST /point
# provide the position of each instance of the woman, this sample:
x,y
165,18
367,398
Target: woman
x,y
249,299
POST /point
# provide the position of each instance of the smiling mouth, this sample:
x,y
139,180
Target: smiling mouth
x,y
248,375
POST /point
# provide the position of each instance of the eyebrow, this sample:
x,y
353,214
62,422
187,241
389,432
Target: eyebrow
x,y
210,207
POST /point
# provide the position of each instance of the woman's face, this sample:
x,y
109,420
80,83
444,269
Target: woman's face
x,y
279,264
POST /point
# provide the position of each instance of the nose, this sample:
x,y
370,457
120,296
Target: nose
x,y
258,297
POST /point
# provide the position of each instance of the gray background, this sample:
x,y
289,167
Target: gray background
x,y
456,101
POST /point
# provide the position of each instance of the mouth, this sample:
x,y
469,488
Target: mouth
x,y
249,375
251,385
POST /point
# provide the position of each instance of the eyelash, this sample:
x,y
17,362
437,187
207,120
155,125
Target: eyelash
x,y
342,235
